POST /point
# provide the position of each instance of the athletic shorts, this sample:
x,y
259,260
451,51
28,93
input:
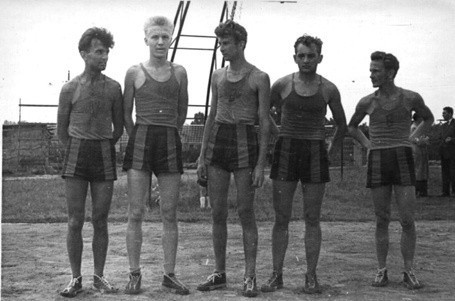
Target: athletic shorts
x,y
154,148
390,166
90,160
232,146
300,159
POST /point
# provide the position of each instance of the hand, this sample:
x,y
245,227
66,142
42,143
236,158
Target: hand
x,y
258,177
201,169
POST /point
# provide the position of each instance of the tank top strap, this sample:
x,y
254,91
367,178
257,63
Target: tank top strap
x,y
293,83
147,74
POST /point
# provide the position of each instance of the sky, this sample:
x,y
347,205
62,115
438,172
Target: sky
x,y
38,44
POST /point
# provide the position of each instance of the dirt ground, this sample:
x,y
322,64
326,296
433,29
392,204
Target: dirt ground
x,y
35,265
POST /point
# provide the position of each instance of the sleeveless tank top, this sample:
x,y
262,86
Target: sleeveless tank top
x,y
389,127
157,102
91,112
303,117
237,102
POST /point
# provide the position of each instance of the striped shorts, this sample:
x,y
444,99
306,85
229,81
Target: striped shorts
x,y
390,166
90,160
300,159
232,146
154,148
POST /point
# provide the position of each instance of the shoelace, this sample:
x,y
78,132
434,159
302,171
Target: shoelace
x,y
72,283
249,282
104,282
212,277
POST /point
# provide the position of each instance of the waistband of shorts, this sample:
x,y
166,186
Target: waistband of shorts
x,y
235,125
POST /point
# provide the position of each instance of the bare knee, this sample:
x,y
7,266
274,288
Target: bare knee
x,y
219,216
407,224
75,224
246,216
282,222
99,221
168,213
312,220
135,215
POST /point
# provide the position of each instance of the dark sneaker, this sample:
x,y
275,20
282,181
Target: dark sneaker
x,y
311,285
249,287
213,282
100,284
274,283
381,278
134,285
73,288
410,281
172,284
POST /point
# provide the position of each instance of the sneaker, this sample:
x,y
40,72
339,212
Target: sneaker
x,y
410,280
311,285
172,284
213,282
274,283
249,287
381,278
134,285
102,285
73,288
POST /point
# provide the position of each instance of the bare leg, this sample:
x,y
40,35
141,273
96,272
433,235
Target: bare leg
x,y
76,192
283,195
245,208
405,201
312,201
101,202
138,188
382,197
169,184
218,185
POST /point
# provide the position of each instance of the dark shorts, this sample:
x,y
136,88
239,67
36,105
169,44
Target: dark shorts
x,y
232,146
390,166
90,160
300,159
154,148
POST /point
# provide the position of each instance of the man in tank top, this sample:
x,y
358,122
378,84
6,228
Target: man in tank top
x,y
158,88
300,155
390,161
89,123
240,97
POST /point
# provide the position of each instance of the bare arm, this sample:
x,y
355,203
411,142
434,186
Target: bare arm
x,y
63,115
353,128
263,84
128,100
421,109
117,114
201,169
183,96
275,104
340,120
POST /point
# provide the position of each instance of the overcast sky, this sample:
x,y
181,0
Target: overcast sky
x,y
38,44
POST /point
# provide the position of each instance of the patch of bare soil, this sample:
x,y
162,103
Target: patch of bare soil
x,y
35,264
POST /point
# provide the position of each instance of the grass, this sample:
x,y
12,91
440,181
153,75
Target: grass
x,y
42,200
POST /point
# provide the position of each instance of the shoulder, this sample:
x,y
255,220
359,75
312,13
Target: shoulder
x,y
70,86
260,77
179,69
366,101
411,95
218,73
133,70
112,83
328,85
280,83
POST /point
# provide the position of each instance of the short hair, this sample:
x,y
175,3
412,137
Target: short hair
x,y
158,21
307,40
99,33
389,60
232,29
448,109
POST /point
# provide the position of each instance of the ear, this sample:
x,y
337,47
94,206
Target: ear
x,y
294,56
145,40
83,54
320,58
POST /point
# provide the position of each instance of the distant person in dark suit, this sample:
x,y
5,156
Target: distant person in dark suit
x,y
447,151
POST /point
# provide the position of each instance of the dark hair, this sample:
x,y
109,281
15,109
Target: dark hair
x,y
99,33
307,41
231,29
448,109
389,60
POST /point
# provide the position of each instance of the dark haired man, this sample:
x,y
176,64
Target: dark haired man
x,y
90,106
300,155
447,152
240,96
390,161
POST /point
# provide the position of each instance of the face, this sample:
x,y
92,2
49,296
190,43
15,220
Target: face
x,y
379,75
96,57
159,39
446,115
229,49
307,58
